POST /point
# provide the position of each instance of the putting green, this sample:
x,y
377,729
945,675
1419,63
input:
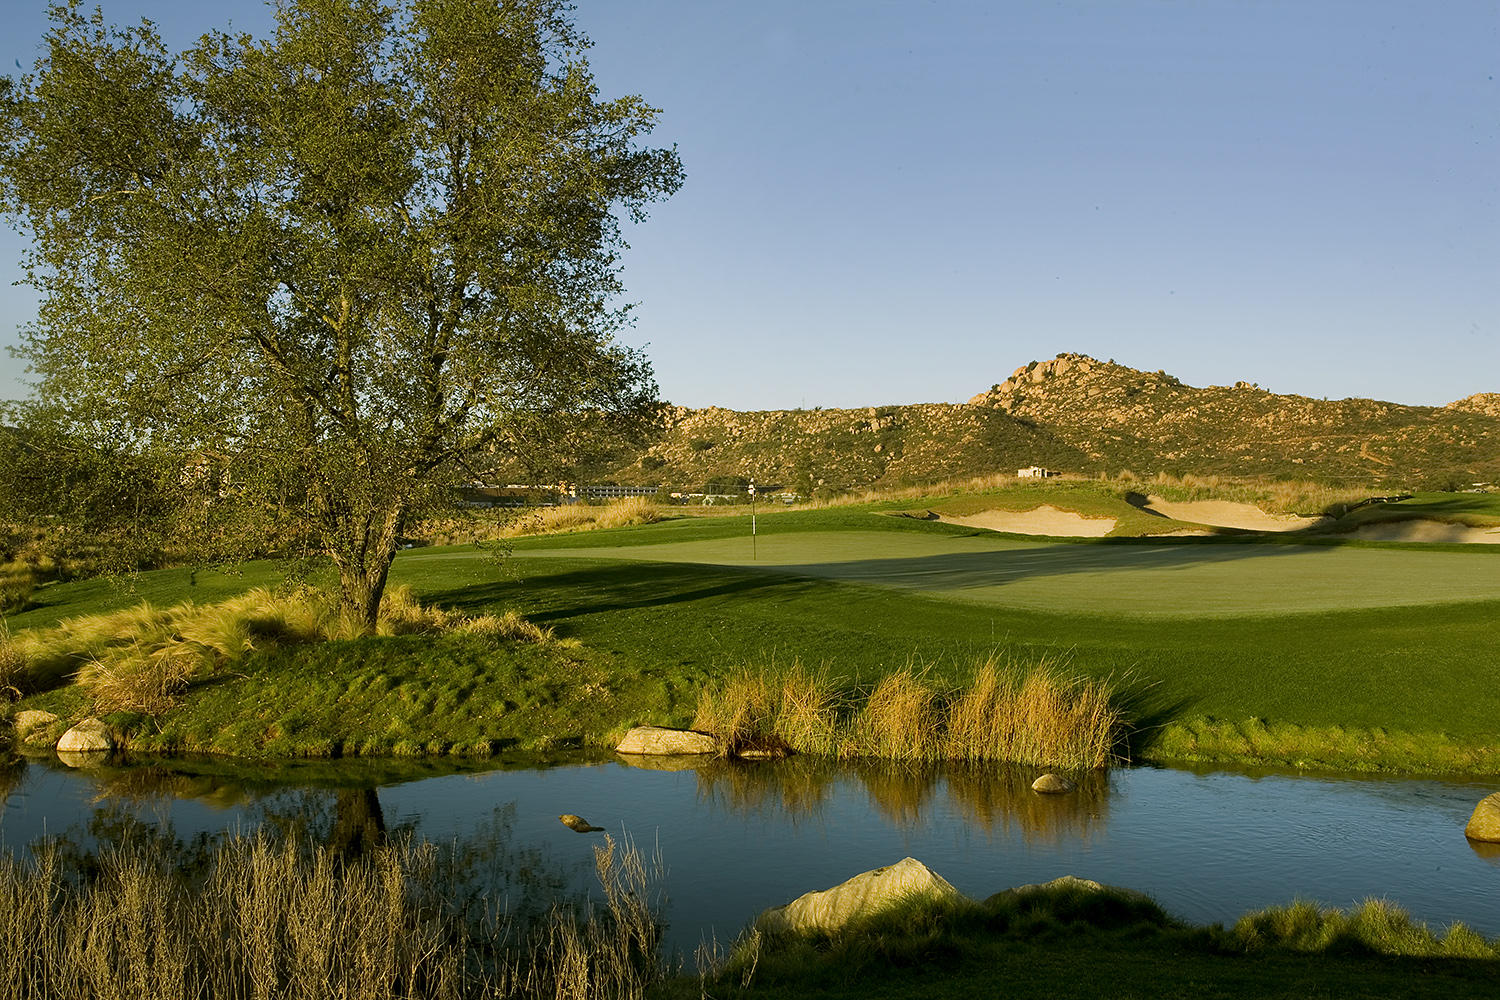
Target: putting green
x,y
1163,579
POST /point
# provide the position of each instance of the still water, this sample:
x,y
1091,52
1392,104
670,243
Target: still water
x,y
737,838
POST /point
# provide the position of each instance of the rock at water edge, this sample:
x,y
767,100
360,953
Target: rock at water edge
x,y
1484,825
861,896
29,721
1051,784
658,740
578,824
89,736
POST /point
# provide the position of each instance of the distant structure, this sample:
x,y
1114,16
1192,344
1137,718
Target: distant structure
x,y
1036,472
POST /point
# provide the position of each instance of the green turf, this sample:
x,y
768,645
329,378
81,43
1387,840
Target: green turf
x,y
1323,638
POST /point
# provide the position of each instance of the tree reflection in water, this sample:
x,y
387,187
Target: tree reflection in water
x,y
994,798
12,775
132,811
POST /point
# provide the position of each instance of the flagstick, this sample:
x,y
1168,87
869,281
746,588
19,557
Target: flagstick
x,y
753,556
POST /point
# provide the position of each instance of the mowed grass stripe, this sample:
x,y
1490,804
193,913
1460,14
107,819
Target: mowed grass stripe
x,y
1194,580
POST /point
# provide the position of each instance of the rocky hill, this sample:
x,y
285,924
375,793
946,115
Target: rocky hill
x,y
1078,414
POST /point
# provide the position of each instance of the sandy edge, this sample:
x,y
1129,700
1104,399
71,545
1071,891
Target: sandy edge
x,y
1227,514
1043,520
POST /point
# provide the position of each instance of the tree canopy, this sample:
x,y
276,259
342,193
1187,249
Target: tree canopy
x,y
336,271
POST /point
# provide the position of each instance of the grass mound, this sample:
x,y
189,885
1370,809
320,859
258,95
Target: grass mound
x,y
1071,940
141,659
1012,712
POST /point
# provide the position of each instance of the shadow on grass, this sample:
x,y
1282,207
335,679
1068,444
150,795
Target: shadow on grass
x,y
622,587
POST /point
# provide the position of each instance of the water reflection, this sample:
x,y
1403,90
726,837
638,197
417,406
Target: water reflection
x,y
12,775
135,807
996,799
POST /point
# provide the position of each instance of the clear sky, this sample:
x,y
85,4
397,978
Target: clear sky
x,y
894,201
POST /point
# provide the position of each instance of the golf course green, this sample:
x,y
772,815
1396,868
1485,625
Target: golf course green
x,y
1308,652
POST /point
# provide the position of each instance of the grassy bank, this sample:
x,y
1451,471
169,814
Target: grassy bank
x,y
1351,656
1068,942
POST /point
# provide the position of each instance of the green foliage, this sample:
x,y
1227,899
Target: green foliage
x,y
332,273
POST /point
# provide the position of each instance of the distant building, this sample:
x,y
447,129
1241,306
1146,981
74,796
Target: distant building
x,y
1035,472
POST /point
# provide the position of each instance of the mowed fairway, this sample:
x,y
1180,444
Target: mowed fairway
x,y
1156,579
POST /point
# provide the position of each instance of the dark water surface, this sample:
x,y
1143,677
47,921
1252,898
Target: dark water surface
x,y
737,838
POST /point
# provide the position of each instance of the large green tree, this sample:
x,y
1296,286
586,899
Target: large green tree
x,y
339,270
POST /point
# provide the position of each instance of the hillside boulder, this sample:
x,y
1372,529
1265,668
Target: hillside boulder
x,y
89,736
659,740
862,896
1484,825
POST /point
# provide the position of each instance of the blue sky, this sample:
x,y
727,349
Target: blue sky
x,y
894,202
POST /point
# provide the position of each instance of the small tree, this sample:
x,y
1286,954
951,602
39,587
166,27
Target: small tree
x,y
337,271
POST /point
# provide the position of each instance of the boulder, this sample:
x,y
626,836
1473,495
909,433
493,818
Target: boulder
x,y
657,740
1051,784
29,721
861,896
1484,825
89,736
1064,883
578,824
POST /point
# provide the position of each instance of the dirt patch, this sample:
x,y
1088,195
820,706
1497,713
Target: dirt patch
x,y
1226,514
1043,520
1420,530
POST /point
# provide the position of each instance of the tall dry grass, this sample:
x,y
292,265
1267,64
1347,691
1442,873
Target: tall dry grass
x,y
1032,714
266,921
142,658
1274,496
17,582
584,517
772,709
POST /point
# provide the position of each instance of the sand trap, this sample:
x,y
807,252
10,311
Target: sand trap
x,y
1427,531
1224,514
1043,520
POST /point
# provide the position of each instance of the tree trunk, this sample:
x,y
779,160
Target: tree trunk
x,y
363,569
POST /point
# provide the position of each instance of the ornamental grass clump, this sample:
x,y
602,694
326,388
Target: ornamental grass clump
x,y
1032,716
772,709
1010,712
900,720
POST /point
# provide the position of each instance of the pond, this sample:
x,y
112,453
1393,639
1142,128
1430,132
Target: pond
x,y
737,837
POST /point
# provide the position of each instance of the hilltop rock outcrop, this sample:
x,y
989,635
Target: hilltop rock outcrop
x,y
1076,414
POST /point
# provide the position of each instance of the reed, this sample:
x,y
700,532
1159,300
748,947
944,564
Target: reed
x,y
1019,713
288,921
773,709
900,720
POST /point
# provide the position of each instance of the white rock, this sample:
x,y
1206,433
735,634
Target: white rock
x,y
658,740
89,736
861,896
1484,825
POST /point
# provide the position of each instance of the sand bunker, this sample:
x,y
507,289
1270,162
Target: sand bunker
x,y
1043,520
1225,514
1427,531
